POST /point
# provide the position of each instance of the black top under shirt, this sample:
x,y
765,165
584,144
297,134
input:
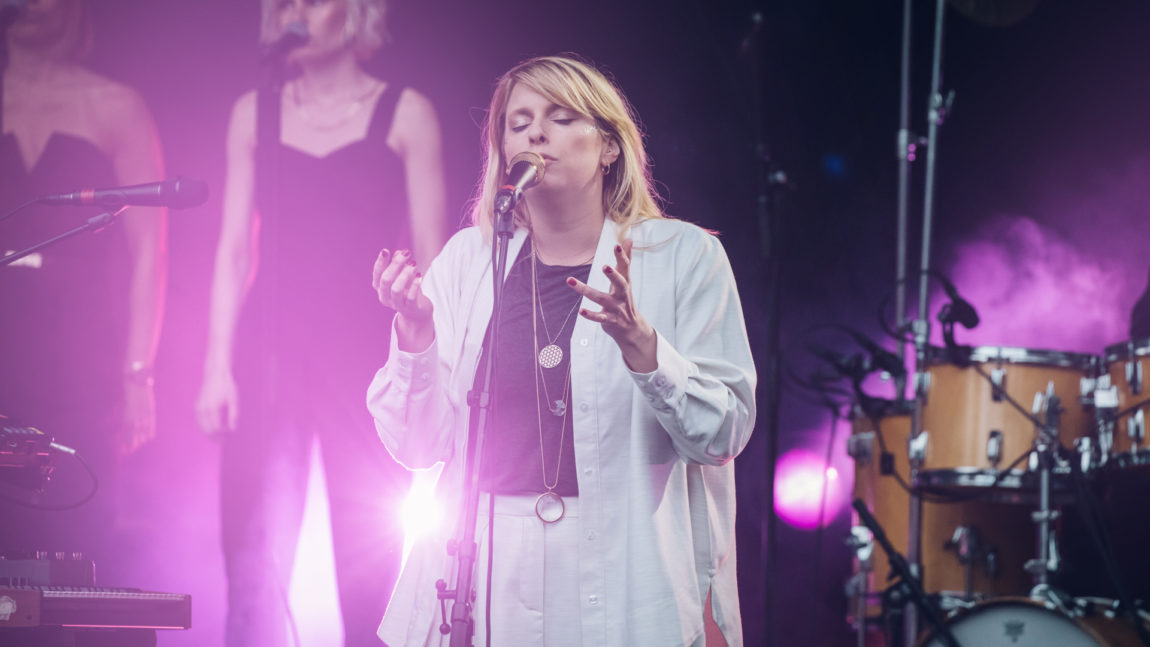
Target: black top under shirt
x,y
511,452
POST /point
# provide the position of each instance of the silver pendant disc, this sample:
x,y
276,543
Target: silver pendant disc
x,y
550,356
549,507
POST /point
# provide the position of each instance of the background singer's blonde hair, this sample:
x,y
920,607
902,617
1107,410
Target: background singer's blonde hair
x,y
628,193
365,28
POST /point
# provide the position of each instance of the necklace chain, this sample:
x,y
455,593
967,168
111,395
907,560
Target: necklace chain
x,y
354,105
551,355
538,372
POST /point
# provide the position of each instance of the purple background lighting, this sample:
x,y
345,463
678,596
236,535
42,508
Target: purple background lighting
x,y
1042,223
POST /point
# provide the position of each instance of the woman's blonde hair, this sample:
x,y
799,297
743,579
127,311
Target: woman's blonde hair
x,y
365,28
74,41
628,191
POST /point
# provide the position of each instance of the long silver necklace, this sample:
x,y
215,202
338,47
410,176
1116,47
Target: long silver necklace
x,y
551,355
549,506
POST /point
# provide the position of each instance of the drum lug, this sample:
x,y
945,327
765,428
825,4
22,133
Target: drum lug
x,y
1136,427
916,448
994,448
998,381
860,447
922,387
1084,445
1134,376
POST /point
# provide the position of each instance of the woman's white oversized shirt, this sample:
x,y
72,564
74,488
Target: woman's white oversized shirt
x,y
653,452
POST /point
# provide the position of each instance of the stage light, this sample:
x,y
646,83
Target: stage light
x,y
422,512
802,480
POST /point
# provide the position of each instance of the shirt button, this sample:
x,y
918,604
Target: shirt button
x,y
593,599
660,381
591,535
584,407
588,470
583,342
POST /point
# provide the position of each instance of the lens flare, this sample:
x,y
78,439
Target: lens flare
x,y
801,478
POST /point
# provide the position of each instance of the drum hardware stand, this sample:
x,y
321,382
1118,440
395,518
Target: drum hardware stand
x,y
1133,370
1046,453
907,580
968,548
857,587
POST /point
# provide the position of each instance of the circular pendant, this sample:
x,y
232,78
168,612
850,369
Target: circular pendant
x,y
558,408
550,356
549,507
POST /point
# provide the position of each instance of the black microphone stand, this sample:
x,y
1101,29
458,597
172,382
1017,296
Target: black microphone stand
x,y
95,223
464,547
907,579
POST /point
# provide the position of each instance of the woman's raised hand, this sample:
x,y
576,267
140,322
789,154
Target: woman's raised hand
x,y
397,283
619,316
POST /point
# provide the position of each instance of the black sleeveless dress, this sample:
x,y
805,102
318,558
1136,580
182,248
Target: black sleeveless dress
x,y
62,339
311,335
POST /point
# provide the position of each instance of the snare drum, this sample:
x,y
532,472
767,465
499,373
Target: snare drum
x,y
1023,622
970,550
1128,367
971,432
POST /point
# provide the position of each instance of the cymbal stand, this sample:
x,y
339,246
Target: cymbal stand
x,y
937,109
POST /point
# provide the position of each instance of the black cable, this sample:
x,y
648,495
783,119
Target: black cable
x,y
1131,409
64,506
816,559
18,210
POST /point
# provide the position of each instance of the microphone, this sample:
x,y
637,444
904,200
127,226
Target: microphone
x,y
855,366
294,35
526,170
882,359
11,11
958,310
179,193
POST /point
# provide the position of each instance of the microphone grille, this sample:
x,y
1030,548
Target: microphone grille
x,y
188,192
535,160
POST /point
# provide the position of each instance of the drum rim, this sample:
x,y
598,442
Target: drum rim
x,y
1121,350
956,615
938,355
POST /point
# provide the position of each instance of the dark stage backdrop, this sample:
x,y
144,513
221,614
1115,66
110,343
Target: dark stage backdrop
x,y
1042,196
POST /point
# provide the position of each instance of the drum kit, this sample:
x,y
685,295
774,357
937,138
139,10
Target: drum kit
x,y
967,495
1010,441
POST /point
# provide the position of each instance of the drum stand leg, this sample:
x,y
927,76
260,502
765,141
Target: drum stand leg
x,y
894,601
1048,561
858,585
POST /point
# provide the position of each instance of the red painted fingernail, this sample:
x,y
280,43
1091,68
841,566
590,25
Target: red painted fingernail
x,y
404,252
607,269
419,275
570,280
618,248
411,263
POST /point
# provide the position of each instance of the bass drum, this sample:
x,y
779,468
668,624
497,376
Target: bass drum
x,y
1023,622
